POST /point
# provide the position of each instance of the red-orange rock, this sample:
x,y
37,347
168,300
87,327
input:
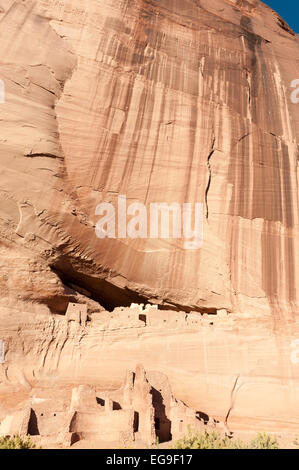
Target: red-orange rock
x,y
169,101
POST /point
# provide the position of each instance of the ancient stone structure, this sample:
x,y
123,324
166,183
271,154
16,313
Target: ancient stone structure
x,y
77,312
142,413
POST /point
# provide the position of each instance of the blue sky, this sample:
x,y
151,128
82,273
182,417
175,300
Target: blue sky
x,y
288,10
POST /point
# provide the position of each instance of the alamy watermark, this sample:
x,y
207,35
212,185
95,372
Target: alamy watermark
x,y
159,220
295,93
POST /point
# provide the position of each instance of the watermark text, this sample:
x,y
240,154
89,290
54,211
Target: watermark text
x,y
162,220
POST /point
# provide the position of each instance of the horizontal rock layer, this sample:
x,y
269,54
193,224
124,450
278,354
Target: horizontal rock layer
x,y
161,101
234,370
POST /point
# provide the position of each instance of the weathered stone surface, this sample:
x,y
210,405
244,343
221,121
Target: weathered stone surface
x,y
122,96
234,369
146,409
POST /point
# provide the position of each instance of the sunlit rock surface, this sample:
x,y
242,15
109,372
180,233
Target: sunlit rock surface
x,y
161,101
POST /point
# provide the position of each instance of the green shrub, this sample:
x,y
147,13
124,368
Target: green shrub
x,y
214,440
204,440
16,442
264,441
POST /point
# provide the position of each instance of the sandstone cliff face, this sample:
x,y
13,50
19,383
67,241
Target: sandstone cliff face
x,y
232,369
161,101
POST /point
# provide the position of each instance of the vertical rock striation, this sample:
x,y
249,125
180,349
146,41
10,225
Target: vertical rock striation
x,y
166,101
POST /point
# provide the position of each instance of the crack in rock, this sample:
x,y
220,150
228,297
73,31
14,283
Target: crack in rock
x,y
210,176
47,155
232,403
